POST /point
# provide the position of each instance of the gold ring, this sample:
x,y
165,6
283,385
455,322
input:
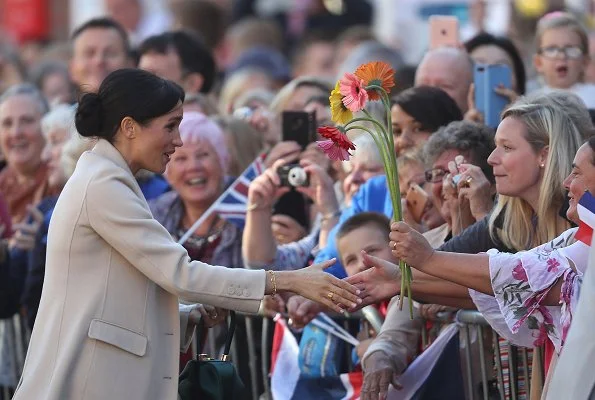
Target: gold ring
x,y
330,295
395,246
469,180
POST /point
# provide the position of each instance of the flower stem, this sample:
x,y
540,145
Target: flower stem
x,y
386,146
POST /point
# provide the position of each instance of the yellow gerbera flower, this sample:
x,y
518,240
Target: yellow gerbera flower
x,y
339,113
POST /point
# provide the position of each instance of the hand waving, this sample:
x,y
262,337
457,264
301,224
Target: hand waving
x,y
25,232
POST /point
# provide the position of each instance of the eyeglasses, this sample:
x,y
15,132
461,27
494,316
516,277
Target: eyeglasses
x,y
571,52
435,175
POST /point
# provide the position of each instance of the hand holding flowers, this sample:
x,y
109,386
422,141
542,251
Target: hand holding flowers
x,y
370,82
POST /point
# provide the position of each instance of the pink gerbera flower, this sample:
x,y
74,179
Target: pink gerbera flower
x,y
337,145
353,91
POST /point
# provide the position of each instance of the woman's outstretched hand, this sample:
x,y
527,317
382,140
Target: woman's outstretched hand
x,y
315,284
409,245
382,280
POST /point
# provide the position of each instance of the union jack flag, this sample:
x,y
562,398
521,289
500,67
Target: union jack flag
x,y
232,204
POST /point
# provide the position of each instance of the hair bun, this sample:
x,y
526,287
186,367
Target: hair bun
x,y
89,116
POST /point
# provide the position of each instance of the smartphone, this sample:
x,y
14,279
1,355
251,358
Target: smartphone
x,y
417,200
444,31
299,126
486,78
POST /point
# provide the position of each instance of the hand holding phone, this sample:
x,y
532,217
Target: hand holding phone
x,y
487,79
299,127
417,200
444,31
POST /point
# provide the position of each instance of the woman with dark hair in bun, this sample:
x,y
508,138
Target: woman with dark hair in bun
x,y
108,325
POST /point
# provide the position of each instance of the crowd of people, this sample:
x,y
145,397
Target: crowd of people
x,y
112,157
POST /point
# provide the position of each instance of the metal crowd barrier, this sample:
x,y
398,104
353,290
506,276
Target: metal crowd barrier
x,y
15,335
467,320
518,359
14,339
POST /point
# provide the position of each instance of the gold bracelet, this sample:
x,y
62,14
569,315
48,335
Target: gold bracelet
x,y
273,279
255,206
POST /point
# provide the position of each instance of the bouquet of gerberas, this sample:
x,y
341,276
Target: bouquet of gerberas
x,y
370,82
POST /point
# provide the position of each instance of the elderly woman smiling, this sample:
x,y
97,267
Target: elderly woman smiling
x,y
197,175
24,181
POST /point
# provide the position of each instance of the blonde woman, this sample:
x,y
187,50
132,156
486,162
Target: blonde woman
x,y
529,181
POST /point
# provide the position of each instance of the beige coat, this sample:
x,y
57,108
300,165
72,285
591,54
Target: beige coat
x,y
108,325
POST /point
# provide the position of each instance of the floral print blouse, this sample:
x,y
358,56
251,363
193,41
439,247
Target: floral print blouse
x,y
521,282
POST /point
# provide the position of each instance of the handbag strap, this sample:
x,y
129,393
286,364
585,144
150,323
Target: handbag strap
x,y
230,332
203,330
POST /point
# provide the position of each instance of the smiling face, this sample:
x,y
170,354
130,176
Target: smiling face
x,y
155,142
517,166
560,71
195,172
20,133
581,179
369,238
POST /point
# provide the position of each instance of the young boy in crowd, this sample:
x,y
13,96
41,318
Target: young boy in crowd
x,y
563,55
369,231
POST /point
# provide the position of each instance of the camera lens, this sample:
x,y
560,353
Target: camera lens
x,y
297,177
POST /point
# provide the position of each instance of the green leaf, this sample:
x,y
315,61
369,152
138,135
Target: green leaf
x,y
532,323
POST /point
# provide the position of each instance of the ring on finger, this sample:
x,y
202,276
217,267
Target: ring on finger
x,y
394,245
330,295
468,181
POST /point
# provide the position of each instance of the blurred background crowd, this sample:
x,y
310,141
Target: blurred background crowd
x,y
246,66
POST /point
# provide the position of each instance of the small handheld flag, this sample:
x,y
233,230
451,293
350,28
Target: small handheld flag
x,y
586,213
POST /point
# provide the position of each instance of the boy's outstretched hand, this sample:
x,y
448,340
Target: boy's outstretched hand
x,y
382,280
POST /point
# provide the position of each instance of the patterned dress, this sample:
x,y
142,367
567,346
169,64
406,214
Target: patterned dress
x,y
521,282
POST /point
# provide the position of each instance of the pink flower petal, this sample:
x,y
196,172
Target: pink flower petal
x,y
353,91
333,151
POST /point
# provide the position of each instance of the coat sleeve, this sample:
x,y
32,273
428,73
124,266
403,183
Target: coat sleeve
x,y
122,218
398,338
186,327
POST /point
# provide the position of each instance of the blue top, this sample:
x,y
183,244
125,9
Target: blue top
x,y
372,196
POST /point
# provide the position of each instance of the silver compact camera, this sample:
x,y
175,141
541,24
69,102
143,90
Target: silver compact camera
x,y
293,175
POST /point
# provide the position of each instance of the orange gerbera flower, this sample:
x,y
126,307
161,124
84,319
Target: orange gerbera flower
x,y
376,73
337,145
353,91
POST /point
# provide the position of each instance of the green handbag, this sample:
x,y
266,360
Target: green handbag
x,y
209,379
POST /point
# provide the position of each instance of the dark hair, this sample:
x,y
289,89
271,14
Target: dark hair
x,y
485,39
464,136
125,93
104,23
194,55
206,18
430,106
379,221
404,79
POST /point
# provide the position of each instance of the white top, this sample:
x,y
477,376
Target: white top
x,y
586,91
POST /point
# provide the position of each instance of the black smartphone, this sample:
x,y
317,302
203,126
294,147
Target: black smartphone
x,y
299,126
